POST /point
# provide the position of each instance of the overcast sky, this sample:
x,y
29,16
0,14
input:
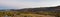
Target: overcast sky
x,y
18,4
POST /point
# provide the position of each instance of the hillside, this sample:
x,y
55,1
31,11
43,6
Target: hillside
x,y
56,9
52,11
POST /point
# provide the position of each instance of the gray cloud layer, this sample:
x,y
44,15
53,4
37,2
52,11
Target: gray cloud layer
x,y
17,4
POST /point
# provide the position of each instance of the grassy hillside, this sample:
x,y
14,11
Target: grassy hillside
x,y
53,11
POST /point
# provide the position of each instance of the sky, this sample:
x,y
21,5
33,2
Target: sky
x,y
18,4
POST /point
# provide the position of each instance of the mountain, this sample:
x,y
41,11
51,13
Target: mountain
x,y
52,9
57,9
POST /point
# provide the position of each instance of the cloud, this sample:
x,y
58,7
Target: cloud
x,y
28,3
19,4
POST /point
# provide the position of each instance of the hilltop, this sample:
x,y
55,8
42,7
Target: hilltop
x,y
57,8
52,9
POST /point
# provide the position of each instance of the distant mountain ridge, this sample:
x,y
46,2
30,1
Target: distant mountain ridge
x,y
57,8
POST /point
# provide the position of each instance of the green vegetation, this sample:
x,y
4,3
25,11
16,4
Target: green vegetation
x,y
10,13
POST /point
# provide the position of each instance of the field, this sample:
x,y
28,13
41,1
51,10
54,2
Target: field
x,y
15,13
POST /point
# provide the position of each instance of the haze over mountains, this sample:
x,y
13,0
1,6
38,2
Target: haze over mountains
x,y
57,8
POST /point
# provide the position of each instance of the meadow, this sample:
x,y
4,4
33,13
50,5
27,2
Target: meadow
x,y
11,13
